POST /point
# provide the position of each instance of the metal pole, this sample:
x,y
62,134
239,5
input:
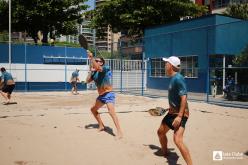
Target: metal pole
x,y
111,58
121,66
94,33
10,35
94,41
207,62
65,69
25,52
236,77
142,71
224,72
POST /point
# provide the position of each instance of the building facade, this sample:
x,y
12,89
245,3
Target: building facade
x,y
205,45
131,47
87,32
110,41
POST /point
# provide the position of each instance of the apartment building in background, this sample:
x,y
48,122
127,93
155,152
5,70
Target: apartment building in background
x,y
110,39
87,32
218,6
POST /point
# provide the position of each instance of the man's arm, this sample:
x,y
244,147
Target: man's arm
x,y
77,79
1,82
95,65
182,105
1,79
88,78
178,119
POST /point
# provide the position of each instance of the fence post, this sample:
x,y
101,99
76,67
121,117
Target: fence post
x,y
224,73
208,70
111,58
65,68
142,72
25,66
121,66
10,51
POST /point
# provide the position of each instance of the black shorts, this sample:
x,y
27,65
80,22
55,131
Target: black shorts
x,y
169,118
8,88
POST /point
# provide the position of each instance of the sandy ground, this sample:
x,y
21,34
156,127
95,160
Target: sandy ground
x,y
57,128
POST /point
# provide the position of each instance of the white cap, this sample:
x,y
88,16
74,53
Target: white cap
x,y
173,60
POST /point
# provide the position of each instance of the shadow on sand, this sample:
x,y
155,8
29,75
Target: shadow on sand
x,y
9,103
96,126
172,157
117,112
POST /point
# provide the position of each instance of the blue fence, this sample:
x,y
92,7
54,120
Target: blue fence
x,y
43,67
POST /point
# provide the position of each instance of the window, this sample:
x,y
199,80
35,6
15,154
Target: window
x,y
157,67
221,3
189,67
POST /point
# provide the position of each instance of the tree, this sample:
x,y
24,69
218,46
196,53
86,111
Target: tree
x,y
4,21
238,10
242,58
53,17
132,16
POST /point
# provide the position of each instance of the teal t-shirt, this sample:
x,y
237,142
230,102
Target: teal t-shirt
x,y
6,76
177,88
103,80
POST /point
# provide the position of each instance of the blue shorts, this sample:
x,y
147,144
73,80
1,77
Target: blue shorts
x,y
108,97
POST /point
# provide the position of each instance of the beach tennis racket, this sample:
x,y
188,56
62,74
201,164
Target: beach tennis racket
x,y
84,44
83,41
158,111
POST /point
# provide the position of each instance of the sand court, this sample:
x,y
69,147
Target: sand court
x,y
57,128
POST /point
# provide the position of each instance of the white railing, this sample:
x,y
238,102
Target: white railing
x,y
127,74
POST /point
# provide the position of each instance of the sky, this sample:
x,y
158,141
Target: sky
x,y
90,3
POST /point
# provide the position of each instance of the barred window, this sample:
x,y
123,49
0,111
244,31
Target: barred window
x,y
189,67
157,67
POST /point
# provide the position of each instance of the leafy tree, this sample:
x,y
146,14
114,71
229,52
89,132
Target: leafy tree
x,y
54,17
238,10
132,16
4,20
242,58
